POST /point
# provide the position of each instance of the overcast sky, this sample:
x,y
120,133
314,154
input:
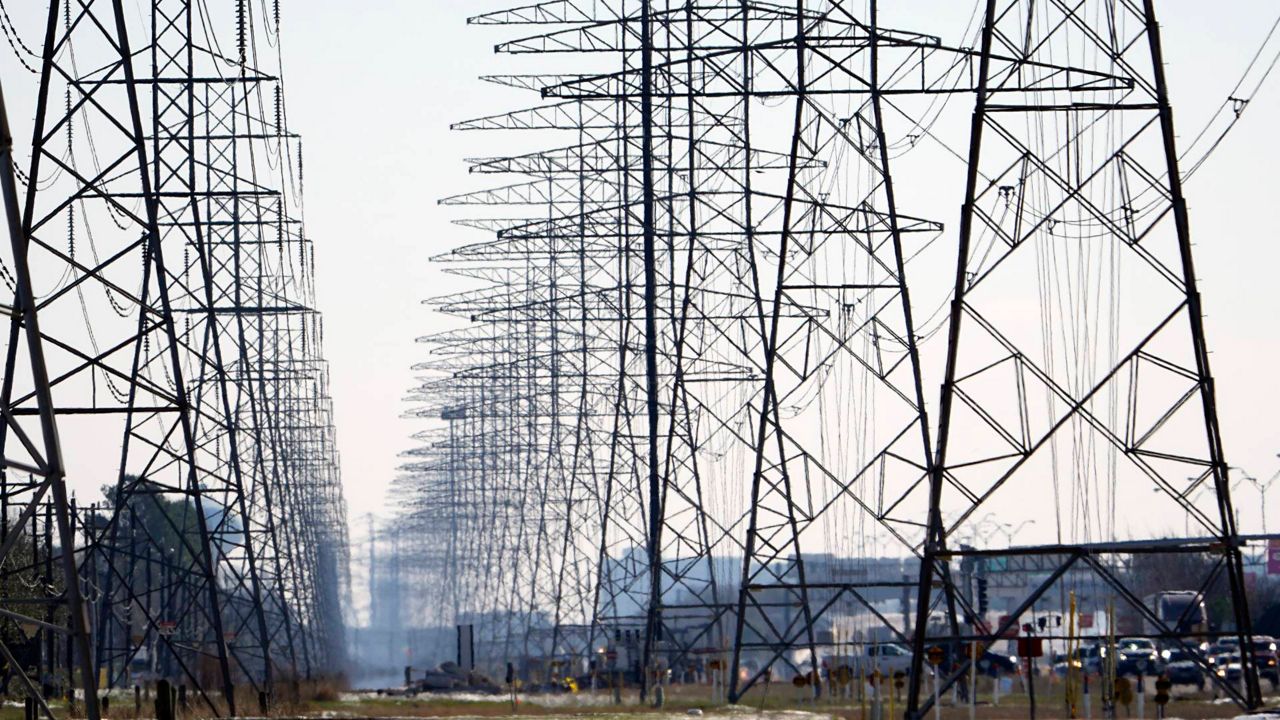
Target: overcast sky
x,y
374,86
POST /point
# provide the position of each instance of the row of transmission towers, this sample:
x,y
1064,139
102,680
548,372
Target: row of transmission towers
x,y
165,356
692,401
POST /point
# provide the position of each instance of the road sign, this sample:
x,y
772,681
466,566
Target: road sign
x,y
1124,691
935,655
1029,647
1273,556
1162,691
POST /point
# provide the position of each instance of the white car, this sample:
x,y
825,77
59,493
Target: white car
x,y
888,658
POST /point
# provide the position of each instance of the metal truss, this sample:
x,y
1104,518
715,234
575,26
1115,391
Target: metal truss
x,y
1081,192
703,288
53,580
164,230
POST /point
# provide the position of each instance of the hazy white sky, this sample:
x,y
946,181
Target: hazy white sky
x,y
373,87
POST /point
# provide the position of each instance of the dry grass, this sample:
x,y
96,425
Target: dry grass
x,y
330,699
778,704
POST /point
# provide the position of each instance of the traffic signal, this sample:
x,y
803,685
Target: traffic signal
x,y
983,605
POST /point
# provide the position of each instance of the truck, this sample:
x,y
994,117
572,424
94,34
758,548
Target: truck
x,y
1181,611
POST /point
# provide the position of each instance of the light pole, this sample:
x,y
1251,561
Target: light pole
x,y
977,529
1010,529
1191,496
1186,516
1262,488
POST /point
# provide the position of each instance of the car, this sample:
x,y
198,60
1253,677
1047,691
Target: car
x,y
886,657
1137,644
994,664
1136,656
1221,646
1086,658
1227,666
1182,667
1061,667
1264,657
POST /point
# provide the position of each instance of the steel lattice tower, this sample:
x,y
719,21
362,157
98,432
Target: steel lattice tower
x,y
1015,411
705,289
42,457
166,242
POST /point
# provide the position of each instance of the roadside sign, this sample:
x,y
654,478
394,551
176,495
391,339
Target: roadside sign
x,y
1124,691
935,655
1030,647
1163,686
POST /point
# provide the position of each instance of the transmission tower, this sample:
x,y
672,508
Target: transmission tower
x,y
1077,194
708,281
166,245
36,456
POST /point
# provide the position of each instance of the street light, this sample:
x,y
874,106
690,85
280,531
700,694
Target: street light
x,y
1189,497
991,520
1010,533
1262,488
979,528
